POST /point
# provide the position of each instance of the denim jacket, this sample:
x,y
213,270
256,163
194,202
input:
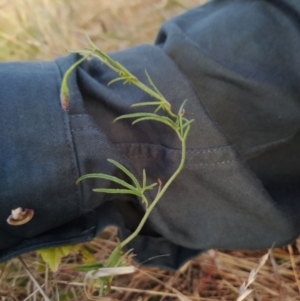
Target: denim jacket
x,y
238,64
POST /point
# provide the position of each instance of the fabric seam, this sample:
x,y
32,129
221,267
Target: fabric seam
x,y
71,146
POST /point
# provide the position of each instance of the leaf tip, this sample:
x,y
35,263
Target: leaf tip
x,y
65,101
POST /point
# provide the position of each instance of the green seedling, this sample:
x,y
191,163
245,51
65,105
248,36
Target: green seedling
x,y
118,260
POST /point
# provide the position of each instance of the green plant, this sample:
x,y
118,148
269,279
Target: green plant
x,y
176,121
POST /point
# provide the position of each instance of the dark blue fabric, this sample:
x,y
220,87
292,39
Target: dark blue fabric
x,y
237,63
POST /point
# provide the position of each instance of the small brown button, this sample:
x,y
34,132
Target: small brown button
x,y
20,217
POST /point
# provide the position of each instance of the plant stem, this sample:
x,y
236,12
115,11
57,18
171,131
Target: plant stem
x,y
177,122
64,92
127,76
160,194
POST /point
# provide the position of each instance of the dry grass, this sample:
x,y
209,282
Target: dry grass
x,y
213,276
44,29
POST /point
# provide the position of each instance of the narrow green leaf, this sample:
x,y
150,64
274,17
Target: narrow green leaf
x,y
115,190
172,125
181,107
104,59
152,84
116,80
187,130
150,186
180,124
159,107
126,71
136,115
144,177
89,267
188,123
166,119
144,115
99,52
116,66
145,201
64,90
106,177
122,259
127,172
147,103
114,256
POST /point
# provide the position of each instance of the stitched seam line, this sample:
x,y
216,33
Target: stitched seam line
x,y
71,146
268,144
154,146
79,115
196,150
188,163
86,128
216,163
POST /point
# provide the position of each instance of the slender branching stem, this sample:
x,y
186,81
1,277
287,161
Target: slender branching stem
x,y
177,122
126,76
158,196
